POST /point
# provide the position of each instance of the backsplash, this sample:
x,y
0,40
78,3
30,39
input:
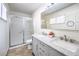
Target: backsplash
x,y
70,34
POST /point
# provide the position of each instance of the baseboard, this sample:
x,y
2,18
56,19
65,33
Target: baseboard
x,y
16,46
7,51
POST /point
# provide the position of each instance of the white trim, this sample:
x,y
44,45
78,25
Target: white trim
x,y
3,19
16,46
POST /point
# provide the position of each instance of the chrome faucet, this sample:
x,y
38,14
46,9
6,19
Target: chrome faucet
x,y
65,38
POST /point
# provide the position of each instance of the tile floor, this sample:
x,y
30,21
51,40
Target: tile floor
x,y
21,51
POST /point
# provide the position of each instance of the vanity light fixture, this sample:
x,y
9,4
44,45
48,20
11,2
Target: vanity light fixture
x,y
49,5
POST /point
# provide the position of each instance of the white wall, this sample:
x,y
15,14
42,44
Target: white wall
x,y
37,19
11,13
69,33
4,35
19,14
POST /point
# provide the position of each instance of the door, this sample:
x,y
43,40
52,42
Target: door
x,y
16,31
28,29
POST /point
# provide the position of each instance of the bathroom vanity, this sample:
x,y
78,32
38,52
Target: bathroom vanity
x,y
45,46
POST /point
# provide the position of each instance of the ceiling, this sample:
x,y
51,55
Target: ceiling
x,y
28,8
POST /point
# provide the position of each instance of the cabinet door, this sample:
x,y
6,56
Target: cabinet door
x,y
35,46
53,52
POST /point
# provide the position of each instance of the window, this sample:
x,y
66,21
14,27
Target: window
x,y
52,20
57,20
60,19
3,11
0,9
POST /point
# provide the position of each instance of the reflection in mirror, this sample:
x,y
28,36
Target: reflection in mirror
x,y
52,20
44,22
55,16
62,18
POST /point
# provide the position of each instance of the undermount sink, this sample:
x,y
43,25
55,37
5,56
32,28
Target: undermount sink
x,y
66,45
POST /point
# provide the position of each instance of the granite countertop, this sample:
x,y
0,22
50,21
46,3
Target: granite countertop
x,y
66,48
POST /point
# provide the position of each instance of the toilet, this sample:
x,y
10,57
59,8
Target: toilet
x,y
29,43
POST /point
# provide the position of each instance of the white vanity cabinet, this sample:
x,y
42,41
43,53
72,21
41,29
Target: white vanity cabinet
x,y
53,52
42,49
35,46
45,50
38,48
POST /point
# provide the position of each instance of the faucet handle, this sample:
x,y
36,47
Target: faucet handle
x,y
72,40
65,37
61,38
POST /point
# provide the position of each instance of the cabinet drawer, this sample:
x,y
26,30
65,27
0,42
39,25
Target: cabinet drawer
x,y
42,52
53,52
43,45
42,49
